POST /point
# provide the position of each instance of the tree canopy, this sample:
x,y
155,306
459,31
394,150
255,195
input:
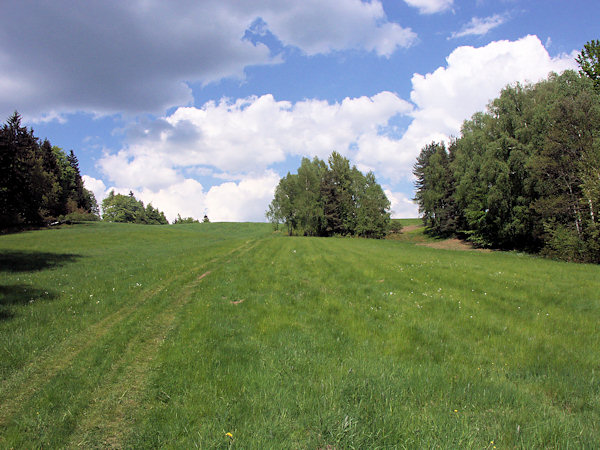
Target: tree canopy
x,y
330,199
39,182
523,175
182,220
127,209
589,61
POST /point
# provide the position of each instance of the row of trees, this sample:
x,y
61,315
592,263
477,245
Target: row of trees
x,y
128,209
523,175
39,182
330,199
180,221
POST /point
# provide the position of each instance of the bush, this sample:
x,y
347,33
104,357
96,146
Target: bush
x,y
564,243
395,226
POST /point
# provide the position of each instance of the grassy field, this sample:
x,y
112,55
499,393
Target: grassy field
x,y
230,335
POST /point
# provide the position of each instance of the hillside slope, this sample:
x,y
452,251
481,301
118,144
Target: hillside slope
x,y
140,336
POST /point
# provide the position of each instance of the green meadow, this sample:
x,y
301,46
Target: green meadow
x,y
228,335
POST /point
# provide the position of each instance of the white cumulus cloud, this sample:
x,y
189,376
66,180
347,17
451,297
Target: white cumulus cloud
x,y
318,26
97,187
242,139
247,135
243,201
479,26
402,207
430,6
451,94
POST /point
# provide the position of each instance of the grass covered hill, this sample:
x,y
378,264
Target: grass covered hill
x,y
230,335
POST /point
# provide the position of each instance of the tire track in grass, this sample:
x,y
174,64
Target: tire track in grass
x,y
24,384
110,417
106,420
63,399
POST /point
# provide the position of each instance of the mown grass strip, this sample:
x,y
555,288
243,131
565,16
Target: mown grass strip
x,y
85,364
107,420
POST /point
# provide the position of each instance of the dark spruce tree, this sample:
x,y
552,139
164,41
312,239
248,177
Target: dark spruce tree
x,y
23,180
39,183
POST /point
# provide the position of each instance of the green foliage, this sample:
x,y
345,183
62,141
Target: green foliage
x,y
589,61
79,216
179,221
395,226
39,182
434,188
127,209
523,175
282,208
330,199
308,200
372,207
339,192
563,242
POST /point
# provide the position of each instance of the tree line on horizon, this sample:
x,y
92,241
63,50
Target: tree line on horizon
x,y
40,183
525,174
330,199
127,209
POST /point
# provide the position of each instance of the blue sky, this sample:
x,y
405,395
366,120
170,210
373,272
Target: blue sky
x,y
201,106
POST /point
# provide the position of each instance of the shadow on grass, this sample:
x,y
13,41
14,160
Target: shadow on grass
x,y
19,295
22,261
16,295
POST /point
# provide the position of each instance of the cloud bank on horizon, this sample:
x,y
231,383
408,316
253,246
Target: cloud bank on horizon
x,y
146,64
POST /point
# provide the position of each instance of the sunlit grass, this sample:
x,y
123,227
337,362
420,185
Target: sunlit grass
x,y
225,335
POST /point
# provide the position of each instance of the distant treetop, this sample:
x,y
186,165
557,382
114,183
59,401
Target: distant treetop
x,y
589,61
127,209
179,220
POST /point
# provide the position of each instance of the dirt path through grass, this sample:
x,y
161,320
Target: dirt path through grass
x,y
409,228
453,244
